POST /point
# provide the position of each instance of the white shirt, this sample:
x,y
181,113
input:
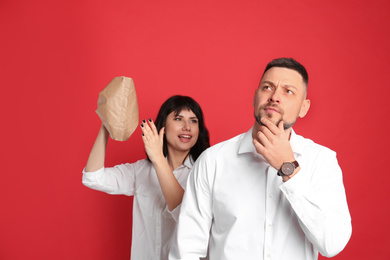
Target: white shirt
x,y
238,207
153,223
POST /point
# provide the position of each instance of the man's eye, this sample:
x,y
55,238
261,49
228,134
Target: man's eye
x,y
267,88
289,92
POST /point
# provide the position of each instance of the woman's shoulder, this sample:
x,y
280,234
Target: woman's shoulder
x,y
135,166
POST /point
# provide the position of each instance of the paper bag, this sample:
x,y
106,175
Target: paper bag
x,y
117,107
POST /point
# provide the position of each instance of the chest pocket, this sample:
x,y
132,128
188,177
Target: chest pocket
x,y
150,200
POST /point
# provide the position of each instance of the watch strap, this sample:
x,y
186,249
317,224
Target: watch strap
x,y
296,164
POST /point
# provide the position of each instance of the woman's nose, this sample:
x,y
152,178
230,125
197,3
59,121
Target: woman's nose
x,y
186,126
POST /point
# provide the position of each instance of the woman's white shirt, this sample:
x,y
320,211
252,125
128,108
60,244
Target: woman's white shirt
x,y
153,223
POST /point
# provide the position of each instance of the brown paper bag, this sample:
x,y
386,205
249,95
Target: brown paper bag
x,y
117,107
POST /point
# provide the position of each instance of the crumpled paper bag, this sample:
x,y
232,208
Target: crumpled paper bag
x,y
117,107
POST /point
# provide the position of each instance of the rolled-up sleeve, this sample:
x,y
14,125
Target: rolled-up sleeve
x,y
116,180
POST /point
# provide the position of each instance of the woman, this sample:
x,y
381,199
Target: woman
x,y
172,144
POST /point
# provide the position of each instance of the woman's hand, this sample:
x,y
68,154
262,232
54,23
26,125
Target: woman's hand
x,y
171,189
153,141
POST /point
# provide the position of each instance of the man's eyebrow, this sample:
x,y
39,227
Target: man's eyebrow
x,y
268,82
272,84
289,86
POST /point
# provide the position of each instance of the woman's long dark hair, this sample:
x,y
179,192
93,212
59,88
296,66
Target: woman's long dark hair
x,y
177,104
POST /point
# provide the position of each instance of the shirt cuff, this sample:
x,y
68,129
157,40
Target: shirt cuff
x,y
92,177
173,213
297,186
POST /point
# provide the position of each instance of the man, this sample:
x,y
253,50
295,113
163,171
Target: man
x,y
268,193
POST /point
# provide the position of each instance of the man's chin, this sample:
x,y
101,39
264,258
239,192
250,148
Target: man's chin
x,y
275,121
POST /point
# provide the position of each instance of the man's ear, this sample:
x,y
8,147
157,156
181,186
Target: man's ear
x,y
304,108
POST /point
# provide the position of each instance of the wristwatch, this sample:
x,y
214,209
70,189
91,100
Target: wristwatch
x,y
288,168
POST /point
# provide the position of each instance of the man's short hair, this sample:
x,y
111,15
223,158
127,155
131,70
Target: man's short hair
x,y
289,63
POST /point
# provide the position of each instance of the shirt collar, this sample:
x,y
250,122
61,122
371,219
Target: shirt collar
x,y
246,145
296,145
189,162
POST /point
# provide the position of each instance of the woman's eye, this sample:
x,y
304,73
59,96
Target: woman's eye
x,y
177,118
194,121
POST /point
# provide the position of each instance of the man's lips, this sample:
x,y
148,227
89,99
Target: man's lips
x,y
271,110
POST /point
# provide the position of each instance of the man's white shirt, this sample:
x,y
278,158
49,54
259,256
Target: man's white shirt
x,y
237,207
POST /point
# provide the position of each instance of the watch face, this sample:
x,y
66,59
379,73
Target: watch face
x,y
288,168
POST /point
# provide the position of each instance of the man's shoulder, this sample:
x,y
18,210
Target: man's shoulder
x,y
309,146
220,152
230,143
224,148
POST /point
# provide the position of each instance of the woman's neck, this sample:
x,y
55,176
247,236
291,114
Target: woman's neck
x,y
175,159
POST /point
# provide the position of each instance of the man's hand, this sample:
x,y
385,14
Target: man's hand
x,y
272,142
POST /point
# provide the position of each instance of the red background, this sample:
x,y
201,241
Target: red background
x,y
56,56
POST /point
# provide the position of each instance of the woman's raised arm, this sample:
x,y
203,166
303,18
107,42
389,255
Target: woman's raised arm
x,y
98,152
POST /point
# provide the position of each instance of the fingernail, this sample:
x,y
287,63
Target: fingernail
x,y
142,125
144,121
150,120
143,134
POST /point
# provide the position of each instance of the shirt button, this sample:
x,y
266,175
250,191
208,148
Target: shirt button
x,y
271,196
269,255
270,225
288,192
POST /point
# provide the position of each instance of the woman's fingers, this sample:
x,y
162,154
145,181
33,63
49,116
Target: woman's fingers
x,y
152,126
149,131
161,134
146,131
153,141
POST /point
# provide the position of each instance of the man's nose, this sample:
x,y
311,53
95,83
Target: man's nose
x,y
275,97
